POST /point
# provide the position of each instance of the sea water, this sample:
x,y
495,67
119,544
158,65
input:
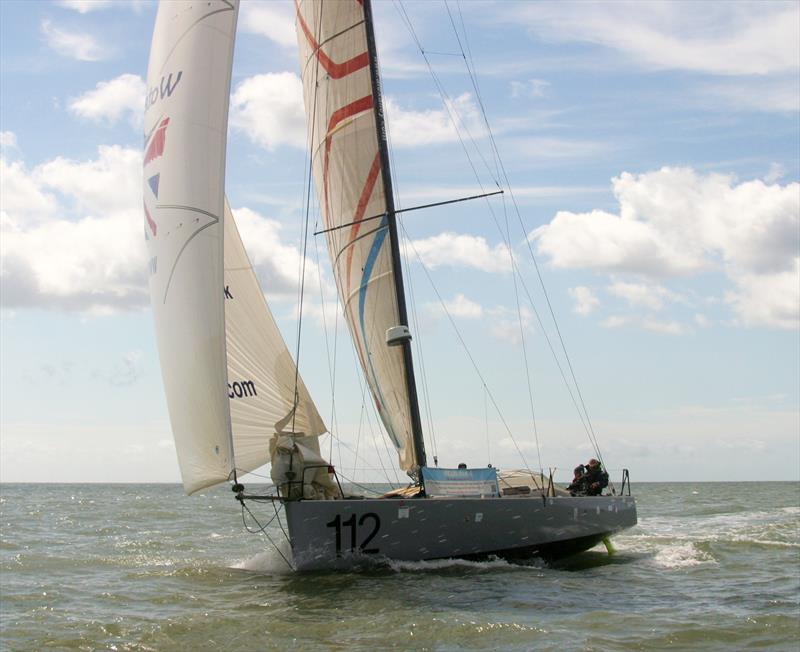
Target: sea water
x,y
711,566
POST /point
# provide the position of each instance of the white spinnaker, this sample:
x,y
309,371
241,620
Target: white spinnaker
x,y
342,129
261,371
185,125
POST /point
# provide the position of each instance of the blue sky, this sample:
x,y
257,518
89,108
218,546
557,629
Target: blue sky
x,y
653,150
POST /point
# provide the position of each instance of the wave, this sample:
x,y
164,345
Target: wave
x,y
274,560
490,564
682,555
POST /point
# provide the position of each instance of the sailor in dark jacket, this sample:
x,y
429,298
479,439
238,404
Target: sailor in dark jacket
x,y
595,479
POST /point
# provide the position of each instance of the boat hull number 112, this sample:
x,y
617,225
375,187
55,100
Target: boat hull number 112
x,y
355,536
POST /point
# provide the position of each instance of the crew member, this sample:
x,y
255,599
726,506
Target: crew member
x,y
595,478
577,488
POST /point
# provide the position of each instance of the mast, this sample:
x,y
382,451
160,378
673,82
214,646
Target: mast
x,y
383,148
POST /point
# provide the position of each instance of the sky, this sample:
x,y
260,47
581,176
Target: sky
x,y
653,151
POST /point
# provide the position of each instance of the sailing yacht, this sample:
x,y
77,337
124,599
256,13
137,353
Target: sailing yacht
x,y
235,397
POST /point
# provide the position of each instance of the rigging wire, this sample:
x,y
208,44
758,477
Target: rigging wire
x,y
524,353
498,158
301,289
466,350
447,102
262,529
331,364
486,422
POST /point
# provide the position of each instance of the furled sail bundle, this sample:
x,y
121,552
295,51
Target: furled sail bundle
x,y
351,175
231,384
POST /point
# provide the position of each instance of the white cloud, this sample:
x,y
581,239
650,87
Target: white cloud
x,y
111,100
768,299
74,45
669,327
460,250
614,321
507,325
71,238
269,109
529,88
21,197
780,94
274,20
461,306
757,38
608,242
645,295
776,173
8,139
677,222
93,263
107,184
701,320
85,6
585,300
409,128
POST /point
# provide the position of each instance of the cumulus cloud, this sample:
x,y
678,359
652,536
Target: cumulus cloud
x,y
8,140
669,327
108,184
758,38
71,239
461,250
275,20
409,128
111,100
585,300
508,325
22,197
676,222
71,233
75,45
461,306
269,109
767,299
614,321
645,295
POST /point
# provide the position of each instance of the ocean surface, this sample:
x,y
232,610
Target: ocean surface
x,y
711,566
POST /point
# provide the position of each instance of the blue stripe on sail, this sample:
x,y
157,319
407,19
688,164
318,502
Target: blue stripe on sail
x,y
372,257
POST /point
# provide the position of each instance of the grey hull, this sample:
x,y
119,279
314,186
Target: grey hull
x,y
340,534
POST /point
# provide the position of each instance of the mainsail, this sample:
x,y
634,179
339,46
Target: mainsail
x,y
229,379
351,177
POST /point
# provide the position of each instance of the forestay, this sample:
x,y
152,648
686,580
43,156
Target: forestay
x,y
342,131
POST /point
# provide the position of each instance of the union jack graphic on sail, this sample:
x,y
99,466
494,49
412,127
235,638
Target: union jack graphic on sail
x,y
151,223
157,142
